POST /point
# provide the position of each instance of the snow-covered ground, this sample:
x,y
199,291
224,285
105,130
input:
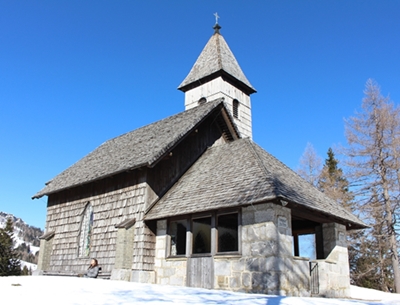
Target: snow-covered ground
x,y
69,290
28,265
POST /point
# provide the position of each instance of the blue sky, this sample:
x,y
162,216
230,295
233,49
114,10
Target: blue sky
x,y
74,74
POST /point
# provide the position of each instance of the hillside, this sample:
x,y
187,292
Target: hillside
x,y
26,238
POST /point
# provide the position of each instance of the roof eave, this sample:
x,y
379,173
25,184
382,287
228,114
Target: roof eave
x,y
232,128
225,75
345,221
41,194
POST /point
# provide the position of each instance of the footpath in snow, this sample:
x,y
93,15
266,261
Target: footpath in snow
x,y
68,290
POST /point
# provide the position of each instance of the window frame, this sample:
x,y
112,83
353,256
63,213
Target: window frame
x,y
212,230
202,101
86,229
169,243
239,238
235,108
214,234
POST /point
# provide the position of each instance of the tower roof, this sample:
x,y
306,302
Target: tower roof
x,y
215,60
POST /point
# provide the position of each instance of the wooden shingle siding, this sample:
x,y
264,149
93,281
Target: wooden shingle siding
x,y
115,199
111,206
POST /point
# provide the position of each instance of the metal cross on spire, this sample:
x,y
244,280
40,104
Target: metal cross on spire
x,y
216,27
216,18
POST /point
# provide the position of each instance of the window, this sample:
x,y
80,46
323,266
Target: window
x,y
202,235
228,233
236,109
214,234
86,231
177,231
202,101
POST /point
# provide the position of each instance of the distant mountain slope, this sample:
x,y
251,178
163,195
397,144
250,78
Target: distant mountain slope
x,y
26,237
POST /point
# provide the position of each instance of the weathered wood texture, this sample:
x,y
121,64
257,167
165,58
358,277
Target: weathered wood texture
x,y
116,199
200,272
113,200
179,159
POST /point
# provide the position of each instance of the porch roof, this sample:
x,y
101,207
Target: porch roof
x,y
241,173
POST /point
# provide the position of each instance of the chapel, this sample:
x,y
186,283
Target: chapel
x,y
191,200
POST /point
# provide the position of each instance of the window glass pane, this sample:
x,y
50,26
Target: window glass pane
x,y
228,233
202,235
86,231
177,231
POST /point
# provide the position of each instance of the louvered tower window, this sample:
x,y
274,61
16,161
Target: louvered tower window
x,y
236,109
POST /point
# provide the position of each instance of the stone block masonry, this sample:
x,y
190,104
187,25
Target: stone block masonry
x,y
265,265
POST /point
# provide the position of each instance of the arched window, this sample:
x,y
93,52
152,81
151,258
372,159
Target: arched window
x,y
236,109
85,231
202,101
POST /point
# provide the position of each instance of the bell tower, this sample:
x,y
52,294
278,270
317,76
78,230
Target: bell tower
x,y
215,74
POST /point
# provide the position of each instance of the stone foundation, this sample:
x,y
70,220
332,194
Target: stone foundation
x,y
334,272
265,263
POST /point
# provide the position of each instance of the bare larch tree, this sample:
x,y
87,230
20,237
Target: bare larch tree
x,y
373,137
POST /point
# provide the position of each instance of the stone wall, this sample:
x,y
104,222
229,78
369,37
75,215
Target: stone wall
x,y
266,264
168,271
334,273
267,251
46,245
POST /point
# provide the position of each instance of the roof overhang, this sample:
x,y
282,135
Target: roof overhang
x,y
225,76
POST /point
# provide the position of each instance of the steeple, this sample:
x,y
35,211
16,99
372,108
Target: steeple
x,y
216,73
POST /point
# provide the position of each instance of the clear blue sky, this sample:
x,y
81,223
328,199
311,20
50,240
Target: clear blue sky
x,y
74,74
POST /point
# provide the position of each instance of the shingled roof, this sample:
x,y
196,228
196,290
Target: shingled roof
x,y
242,173
215,59
141,147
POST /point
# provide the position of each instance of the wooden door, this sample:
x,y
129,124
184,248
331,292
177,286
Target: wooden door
x,y
200,272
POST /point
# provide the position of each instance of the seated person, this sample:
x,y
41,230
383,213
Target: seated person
x,y
93,269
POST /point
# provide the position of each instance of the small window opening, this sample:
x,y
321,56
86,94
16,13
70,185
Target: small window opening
x,y
177,231
202,235
236,109
202,101
228,233
306,246
307,238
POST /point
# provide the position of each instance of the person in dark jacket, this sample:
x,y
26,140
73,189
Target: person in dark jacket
x,y
93,269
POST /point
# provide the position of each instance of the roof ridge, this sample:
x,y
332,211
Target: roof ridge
x,y
218,50
261,164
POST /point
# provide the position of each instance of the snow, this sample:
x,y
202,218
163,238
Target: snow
x,y
28,265
17,240
34,249
70,290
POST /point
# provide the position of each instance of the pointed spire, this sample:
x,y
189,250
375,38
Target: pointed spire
x,y
215,60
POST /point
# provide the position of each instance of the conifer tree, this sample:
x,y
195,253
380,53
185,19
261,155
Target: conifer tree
x,y
9,260
333,182
335,185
